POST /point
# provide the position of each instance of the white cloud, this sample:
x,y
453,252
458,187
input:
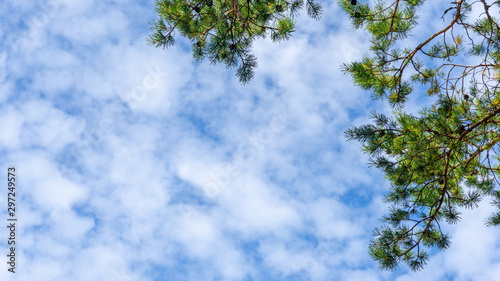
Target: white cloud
x,y
136,162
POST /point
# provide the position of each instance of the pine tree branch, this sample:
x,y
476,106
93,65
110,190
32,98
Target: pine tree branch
x,y
421,45
236,10
478,123
438,208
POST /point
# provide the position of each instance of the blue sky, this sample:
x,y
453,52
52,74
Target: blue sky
x,y
136,163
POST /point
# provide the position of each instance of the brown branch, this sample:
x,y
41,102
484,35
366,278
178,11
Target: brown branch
x,y
236,9
421,45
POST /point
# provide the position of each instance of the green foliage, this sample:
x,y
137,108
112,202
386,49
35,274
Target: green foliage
x,y
222,31
445,158
440,161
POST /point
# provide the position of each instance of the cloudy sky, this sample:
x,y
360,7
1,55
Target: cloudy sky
x,y
137,164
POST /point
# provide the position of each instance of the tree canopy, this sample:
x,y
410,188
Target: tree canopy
x,y
444,158
223,30
439,161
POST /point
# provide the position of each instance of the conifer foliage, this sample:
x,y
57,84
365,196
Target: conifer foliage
x,y
445,158
440,161
222,31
